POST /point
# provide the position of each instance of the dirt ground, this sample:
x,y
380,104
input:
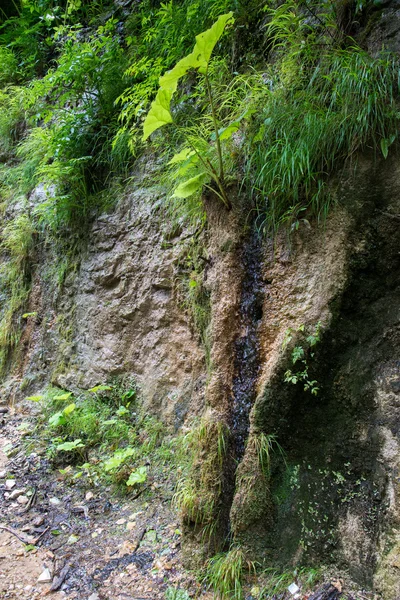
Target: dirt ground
x,y
95,545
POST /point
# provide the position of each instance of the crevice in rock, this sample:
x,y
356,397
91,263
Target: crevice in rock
x,y
247,364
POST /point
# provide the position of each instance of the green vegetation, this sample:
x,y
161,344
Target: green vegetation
x,y
302,353
194,156
225,572
176,594
100,434
277,582
198,495
266,103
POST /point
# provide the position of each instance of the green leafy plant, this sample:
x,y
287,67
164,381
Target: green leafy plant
x,y
301,355
160,114
70,446
61,418
176,594
118,458
137,476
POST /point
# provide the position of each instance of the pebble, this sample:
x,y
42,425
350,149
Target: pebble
x,y
22,500
3,474
45,576
72,539
121,521
10,484
131,525
55,501
14,495
89,496
38,521
94,597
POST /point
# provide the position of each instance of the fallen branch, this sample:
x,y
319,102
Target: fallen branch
x,y
25,539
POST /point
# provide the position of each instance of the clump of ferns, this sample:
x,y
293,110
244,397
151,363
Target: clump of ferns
x,y
203,450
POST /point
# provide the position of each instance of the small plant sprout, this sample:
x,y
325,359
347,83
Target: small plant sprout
x,y
137,477
301,353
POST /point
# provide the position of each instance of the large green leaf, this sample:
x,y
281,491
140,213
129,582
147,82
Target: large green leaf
x,y
69,409
169,81
191,186
181,156
200,56
159,113
205,42
68,446
137,476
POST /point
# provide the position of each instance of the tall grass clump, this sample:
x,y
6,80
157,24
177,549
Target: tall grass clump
x,y
224,573
321,104
16,245
198,495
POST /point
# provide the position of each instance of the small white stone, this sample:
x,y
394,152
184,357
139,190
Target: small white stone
x,y
55,501
45,576
3,474
293,589
89,496
22,500
94,597
121,521
10,484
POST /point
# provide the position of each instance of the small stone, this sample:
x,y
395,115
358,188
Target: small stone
x,y
14,495
94,597
22,500
121,521
45,576
10,484
55,501
293,589
72,539
89,496
3,474
38,521
130,525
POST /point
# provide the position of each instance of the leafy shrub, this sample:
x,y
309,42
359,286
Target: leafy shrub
x,y
70,151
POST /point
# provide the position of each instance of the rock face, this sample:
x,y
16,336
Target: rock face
x,y
119,314
331,492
